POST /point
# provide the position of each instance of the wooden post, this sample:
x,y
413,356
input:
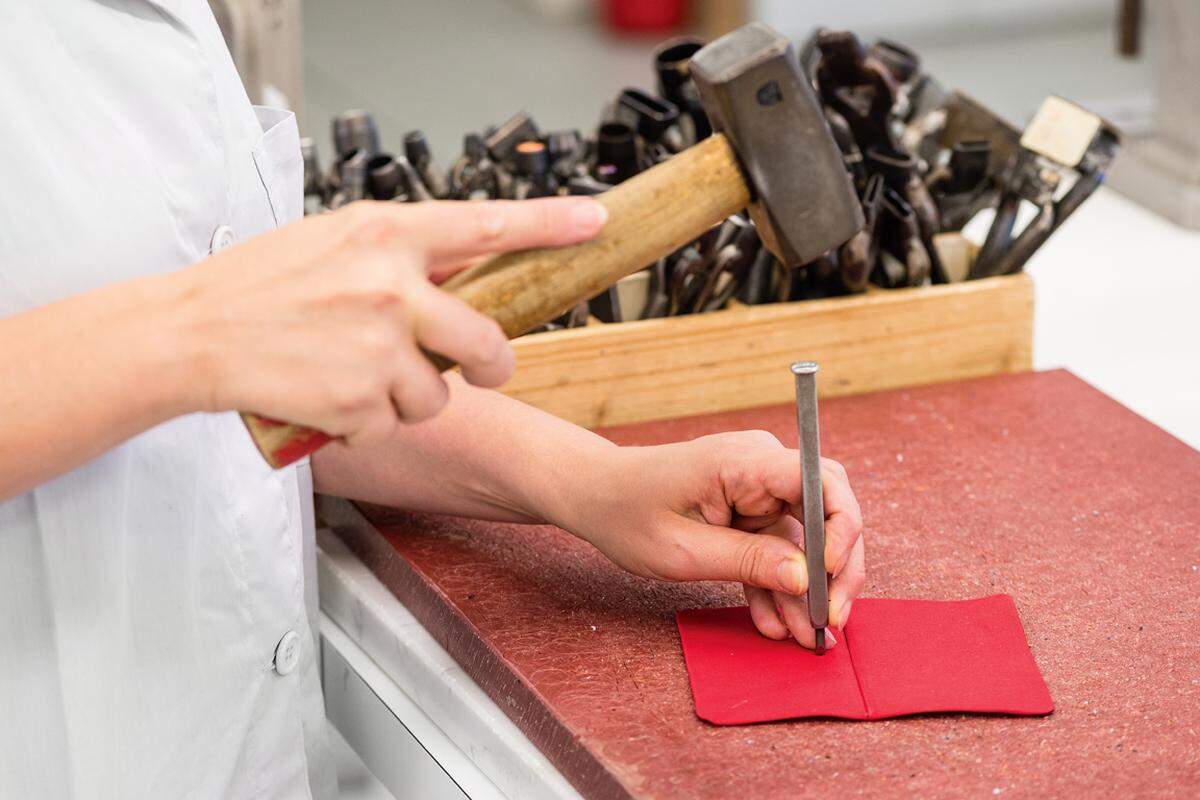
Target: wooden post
x,y
1162,171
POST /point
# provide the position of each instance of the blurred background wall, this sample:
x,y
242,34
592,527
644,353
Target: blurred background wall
x,y
949,19
450,66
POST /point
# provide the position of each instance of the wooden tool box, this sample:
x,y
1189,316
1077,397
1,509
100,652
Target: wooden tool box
x,y
625,372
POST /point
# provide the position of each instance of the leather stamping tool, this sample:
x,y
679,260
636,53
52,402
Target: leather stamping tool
x,y
814,498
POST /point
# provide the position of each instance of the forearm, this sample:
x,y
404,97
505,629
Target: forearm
x,y
485,455
79,376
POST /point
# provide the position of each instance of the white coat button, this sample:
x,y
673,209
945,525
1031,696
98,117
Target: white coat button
x,y
287,653
222,237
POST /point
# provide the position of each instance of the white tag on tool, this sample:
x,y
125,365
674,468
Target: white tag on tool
x,y
1061,131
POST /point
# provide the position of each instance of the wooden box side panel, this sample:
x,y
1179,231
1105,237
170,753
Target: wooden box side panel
x,y
665,368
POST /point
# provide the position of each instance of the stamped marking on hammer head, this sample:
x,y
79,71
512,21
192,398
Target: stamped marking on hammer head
x,y
754,92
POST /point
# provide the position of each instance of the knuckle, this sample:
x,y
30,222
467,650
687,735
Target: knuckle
x,y
761,438
388,301
729,445
739,454
490,223
379,342
835,467
746,443
353,394
854,516
751,561
487,343
379,287
427,403
369,222
674,560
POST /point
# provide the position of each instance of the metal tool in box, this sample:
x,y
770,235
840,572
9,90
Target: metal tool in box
x,y
924,161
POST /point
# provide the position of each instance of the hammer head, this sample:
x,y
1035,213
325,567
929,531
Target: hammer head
x,y
803,202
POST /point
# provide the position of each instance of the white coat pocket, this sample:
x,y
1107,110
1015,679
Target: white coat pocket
x,y
280,166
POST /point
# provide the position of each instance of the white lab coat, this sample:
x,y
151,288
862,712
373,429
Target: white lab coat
x,y
154,636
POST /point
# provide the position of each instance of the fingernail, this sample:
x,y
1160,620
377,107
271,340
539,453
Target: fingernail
x,y
830,640
793,576
588,216
844,614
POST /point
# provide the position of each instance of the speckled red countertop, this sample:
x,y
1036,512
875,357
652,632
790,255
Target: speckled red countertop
x,y
1035,485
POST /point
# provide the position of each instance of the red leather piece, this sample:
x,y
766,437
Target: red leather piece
x,y
740,676
924,656
895,658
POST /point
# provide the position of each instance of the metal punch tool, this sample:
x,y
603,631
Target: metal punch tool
x,y
814,498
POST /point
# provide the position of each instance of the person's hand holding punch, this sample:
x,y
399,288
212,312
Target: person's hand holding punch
x,y
722,507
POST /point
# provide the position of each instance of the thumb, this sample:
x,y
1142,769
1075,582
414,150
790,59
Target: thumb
x,y
724,554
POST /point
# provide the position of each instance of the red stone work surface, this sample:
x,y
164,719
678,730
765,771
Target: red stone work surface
x,y
1032,485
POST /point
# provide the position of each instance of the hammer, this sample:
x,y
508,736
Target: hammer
x,y
771,151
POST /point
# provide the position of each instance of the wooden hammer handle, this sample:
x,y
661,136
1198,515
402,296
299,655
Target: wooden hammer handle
x,y
650,215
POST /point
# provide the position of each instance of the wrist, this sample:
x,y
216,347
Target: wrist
x,y
177,352
585,480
